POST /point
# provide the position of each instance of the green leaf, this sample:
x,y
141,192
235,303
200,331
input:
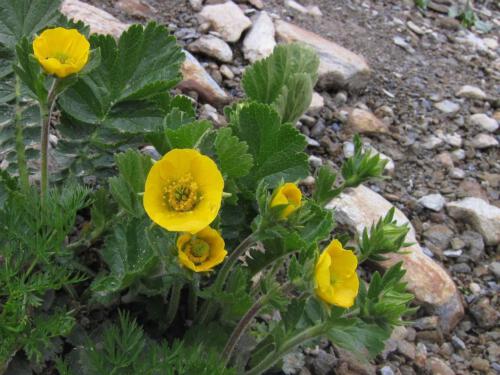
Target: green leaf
x,y
29,70
232,154
23,18
188,135
324,191
285,80
134,168
277,150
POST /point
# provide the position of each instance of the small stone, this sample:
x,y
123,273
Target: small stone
x,y
438,367
471,92
407,349
439,236
432,142
485,315
315,161
457,173
475,288
401,42
196,4
312,142
480,364
485,218
426,323
457,342
318,129
433,202
461,268
365,122
495,268
260,42
151,152
386,370
314,11
416,29
447,106
136,8
213,47
257,3
226,71
491,43
484,122
445,159
296,6
421,355
227,19
453,139
452,253
458,154
317,102
483,140
293,362
308,181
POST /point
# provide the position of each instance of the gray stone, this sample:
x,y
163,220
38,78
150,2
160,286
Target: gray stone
x,y
260,42
447,106
439,236
433,202
483,140
457,173
315,161
439,367
213,47
471,92
386,370
485,122
453,253
365,122
196,4
227,19
495,268
485,315
457,342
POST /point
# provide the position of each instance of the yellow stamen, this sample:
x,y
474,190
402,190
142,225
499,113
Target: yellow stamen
x,y
182,195
197,250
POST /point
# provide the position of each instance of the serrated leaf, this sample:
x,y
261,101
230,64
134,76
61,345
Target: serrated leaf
x,y
277,149
188,135
232,154
29,70
134,168
324,191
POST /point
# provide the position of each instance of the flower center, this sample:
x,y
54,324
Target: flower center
x,y
62,57
197,250
182,195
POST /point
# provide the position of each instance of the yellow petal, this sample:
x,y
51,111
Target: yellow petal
x,y
324,288
292,193
345,291
288,195
186,262
344,262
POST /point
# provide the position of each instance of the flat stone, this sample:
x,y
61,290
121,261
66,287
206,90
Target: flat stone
x,y
485,122
439,367
214,47
428,281
317,102
339,67
227,19
483,140
260,41
197,5
136,8
447,106
434,202
194,75
471,92
365,122
483,217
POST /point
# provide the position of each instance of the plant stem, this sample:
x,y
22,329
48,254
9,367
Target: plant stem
x,y
275,356
193,298
173,304
20,150
46,109
245,322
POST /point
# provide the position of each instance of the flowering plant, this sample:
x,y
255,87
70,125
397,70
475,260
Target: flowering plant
x,y
200,242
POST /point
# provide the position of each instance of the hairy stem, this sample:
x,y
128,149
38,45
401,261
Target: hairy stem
x,y
276,355
20,150
46,109
173,304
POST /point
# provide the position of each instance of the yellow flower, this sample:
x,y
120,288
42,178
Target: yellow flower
x,y
183,191
202,251
61,51
288,195
336,280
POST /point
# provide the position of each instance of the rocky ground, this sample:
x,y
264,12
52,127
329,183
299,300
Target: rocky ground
x,y
423,91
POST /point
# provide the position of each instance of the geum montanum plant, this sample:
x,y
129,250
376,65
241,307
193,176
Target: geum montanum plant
x,y
201,243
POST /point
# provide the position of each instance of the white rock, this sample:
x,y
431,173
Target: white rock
x,y
338,67
447,106
433,202
260,42
432,142
458,154
484,217
311,142
196,4
226,71
491,43
296,6
484,122
212,46
314,10
453,139
471,92
315,161
317,102
227,19
483,140
415,28
360,208
473,41
457,173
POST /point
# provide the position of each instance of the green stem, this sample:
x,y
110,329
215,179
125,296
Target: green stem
x,y
276,355
20,150
193,298
46,109
173,304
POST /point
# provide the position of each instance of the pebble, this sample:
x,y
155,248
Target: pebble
x,y
485,315
426,323
458,154
457,342
453,139
401,42
447,106
483,140
226,71
438,367
480,364
227,19
315,161
318,129
495,268
386,370
433,202
213,47
475,288
457,173
471,92
432,142
312,142
421,355
485,122
452,253
260,41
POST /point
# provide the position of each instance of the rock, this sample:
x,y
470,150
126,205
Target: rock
x,y
315,161
483,217
314,10
457,173
421,355
260,42
485,122
483,140
293,362
318,129
475,244
480,364
213,47
427,323
317,102
339,67
296,6
433,202
401,42
259,4
196,4
457,342
323,362
438,367
197,79
445,159
386,370
432,142
429,282
485,315
447,106
495,268
227,19
100,21
453,253
439,236
151,152
415,28
136,8
350,364
471,92
365,122
453,139
407,349
226,71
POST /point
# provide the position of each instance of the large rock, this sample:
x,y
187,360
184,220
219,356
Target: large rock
x,y
485,122
338,68
483,217
365,122
227,19
260,42
101,22
212,46
361,207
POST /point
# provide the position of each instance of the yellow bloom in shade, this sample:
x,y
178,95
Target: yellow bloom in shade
x,y
336,280
202,251
288,195
61,51
183,191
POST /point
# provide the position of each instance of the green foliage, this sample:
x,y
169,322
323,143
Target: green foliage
x,y
284,80
232,153
422,4
324,191
385,237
